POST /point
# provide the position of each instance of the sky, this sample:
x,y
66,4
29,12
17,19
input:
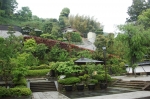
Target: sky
x,y
109,13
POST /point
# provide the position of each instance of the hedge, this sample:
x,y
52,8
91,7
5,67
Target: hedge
x,y
14,92
37,73
39,67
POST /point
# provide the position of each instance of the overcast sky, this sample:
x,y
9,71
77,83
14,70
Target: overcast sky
x,y
108,12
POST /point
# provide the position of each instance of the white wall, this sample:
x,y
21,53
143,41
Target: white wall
x,y
91,37
139,69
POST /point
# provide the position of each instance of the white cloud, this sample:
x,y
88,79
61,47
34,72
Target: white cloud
x,y
107,12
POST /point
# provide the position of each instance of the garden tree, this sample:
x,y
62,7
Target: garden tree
x,y
133,40
73,37
30,45
20,63
100,42
33,23
144,19
110,43
63,17
25,14
119,46
85,24
56,33
99,31
37,51
41,54
58,54
10,30
32,32
8,6
85,54
48,27
47,35
9,47
136,9
35,18
52,29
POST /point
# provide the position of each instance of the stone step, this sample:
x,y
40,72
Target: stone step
x,y
135,87
42,86
135,84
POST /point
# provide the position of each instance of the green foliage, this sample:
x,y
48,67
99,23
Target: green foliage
x,y
91,68
73,37
9,48
16,92
134,42
92,81
58,54
99,77
25,14
84,53
20,82
84,24
68,68
69,81
4,92
102,78
47,35
63,17
136,9
8,6
144,18
20,86
84,77
53,65
19,63
43,66
37,73
30,45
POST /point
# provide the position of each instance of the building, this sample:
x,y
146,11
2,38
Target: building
x,y
142,68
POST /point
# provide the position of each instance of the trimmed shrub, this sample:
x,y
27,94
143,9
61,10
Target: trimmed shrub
x,y
21,81
4,92
14,92
39,67
92,81
69,81
37,73
101,77
20,92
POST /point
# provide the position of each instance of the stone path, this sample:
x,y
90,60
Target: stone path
x,y
48,95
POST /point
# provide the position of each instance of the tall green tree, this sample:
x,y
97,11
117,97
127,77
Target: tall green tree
x,y
63,17
136,9
85,24
9,6
144,19
133,40
25,14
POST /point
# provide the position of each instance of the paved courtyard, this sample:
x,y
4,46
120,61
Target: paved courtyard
x,y
127,95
